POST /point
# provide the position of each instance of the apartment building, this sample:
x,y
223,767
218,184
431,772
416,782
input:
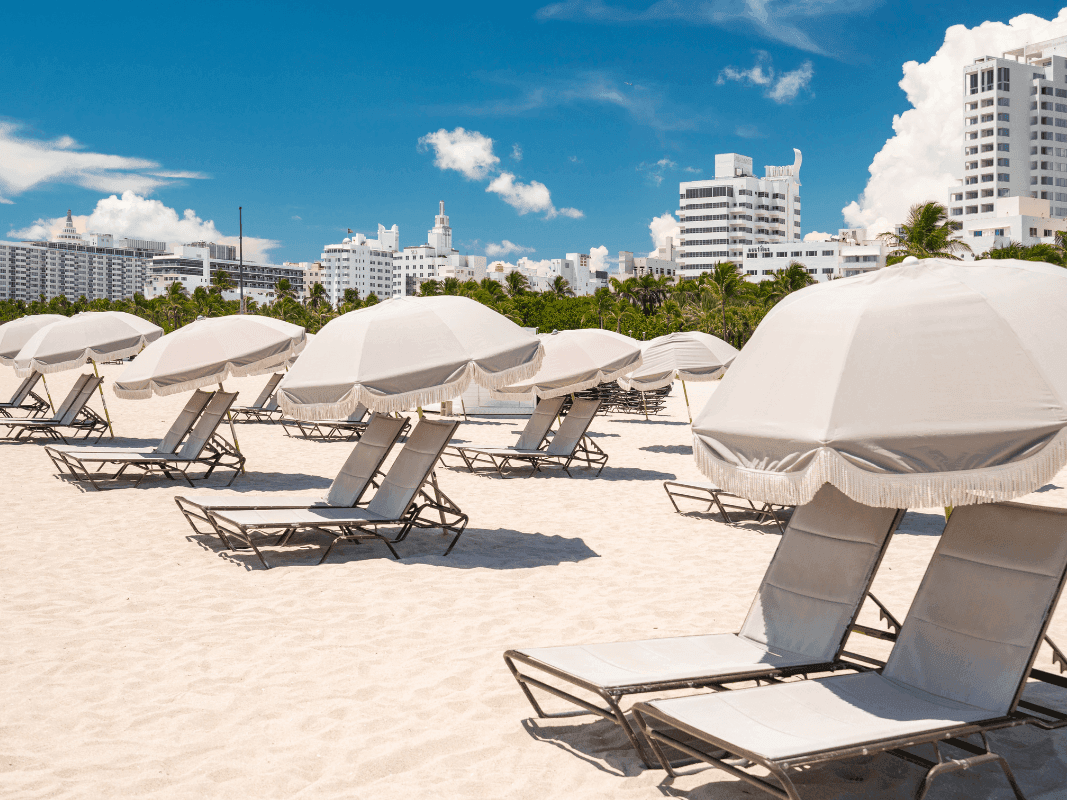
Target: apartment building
x,y
96,265
195,265
735,210
847,254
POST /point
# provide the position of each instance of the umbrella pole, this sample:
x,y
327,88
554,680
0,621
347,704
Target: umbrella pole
x,y
102,400
233,432
643,406
48,394
687,409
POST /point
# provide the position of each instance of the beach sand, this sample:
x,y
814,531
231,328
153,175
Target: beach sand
x,y
141,660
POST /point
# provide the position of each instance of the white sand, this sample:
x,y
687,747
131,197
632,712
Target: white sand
x,y
140,660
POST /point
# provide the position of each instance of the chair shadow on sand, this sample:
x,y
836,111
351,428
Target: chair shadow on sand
x,y
478,548
672,449
251,482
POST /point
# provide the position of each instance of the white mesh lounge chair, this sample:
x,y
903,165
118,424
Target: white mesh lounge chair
x,y
569,444
71,458
357,474
396,504
720,499
25,399
203,447
348,429
957,670
73,413
799,622
265,407
531,438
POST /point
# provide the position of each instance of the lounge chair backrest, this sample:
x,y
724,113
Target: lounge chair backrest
x,y
184,423
819,576
357,415
272,403
366,459
72,395
208,423
412,467
982,608
85,391
574,426
539,423
20,395
268,390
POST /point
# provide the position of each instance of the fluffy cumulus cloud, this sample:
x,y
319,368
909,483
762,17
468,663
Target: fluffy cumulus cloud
x,y
26,163
598,259
661,227
920,162
505,248
467,152
516,152
139,217
781,87
816,236
471,153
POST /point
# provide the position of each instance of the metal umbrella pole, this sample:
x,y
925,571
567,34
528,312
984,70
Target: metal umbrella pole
x,y
233,431
102,400
688,410
48,394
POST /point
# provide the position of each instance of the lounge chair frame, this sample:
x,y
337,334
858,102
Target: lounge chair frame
x,y
25,399
535,433
337,430
450,519
73,413
953,735
713,496
611,696
264,408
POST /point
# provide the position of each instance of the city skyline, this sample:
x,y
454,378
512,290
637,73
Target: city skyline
x,y
531,160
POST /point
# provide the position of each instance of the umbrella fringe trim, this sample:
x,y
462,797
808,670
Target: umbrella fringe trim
x,y
581,386
677,375
882,490
153,389
86,356
403,402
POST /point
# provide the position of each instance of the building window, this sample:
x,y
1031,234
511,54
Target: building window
x,y
827,252
1001,132
987,207
1003,81
1003,162
977,234
987,80
1004,176
972,210
1003,147
957,212
971,83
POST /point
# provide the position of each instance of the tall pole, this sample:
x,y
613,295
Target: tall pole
x,y
241,256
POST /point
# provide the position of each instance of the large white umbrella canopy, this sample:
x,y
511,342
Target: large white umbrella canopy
x,y
89,336
406,352
576,360
933,383
686,355
15,334
208,352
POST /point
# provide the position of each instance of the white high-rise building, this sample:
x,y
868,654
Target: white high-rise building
x,y
735,212
436,259
1013,157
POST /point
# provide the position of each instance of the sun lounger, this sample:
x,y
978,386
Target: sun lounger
x,y
73,413
531,438
569,444
264,408
203,447
348,429
799,622
357,474
396,504
71,458
956,672
25,399
712,495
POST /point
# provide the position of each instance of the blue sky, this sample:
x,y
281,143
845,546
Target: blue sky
x,y
311,115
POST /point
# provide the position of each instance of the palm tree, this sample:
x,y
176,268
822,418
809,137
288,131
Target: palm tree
x,y
282,289
561,287
728,280
1048,253
220,282
493,288
450,286
926,234
317,297
621,313
649,291
429,288
792,278
603,302
175,305
516,283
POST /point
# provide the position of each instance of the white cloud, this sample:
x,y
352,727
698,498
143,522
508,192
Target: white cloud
x,y
693,170
466,152
661,227
516,152
26,163
816,236
528,197
779,87
136,216
544,266
298,218
655,170
505,248
920,162
574,160
598,259
749,132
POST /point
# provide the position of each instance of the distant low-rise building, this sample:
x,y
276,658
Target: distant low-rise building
x,y
195,265
847,254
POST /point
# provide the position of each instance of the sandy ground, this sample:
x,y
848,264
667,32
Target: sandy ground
x,y
141,660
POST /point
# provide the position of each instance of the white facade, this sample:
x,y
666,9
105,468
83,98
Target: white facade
x,y
721,217
1015,137
847,254
96,265
194,264
1012,219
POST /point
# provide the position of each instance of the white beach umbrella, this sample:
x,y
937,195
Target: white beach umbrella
x,y
406,352
15,334
208,352
934,383
576,360
684,356
88,336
